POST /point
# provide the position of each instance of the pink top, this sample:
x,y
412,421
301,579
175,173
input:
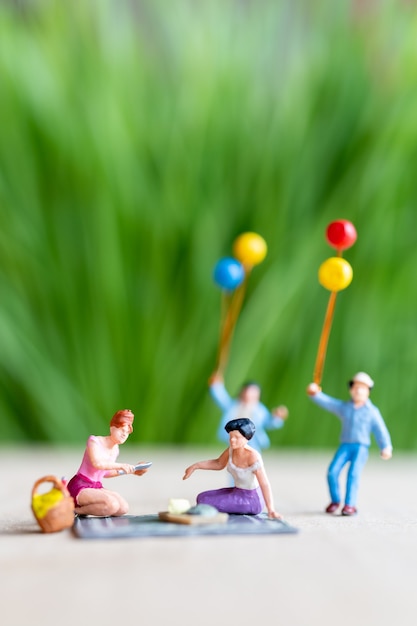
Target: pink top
x,y
107,455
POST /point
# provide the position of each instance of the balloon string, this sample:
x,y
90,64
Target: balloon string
x,y
229,322
321,353
225,303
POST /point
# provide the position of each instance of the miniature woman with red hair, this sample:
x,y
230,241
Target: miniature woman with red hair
x,y
99,461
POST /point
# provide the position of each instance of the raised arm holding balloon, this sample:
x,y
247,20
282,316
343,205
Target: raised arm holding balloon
x,y
231,274
335,274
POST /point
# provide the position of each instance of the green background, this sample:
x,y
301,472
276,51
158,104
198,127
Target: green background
x,y
138,139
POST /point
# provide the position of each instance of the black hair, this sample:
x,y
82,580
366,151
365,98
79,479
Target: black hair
x,y
250,383
244,425
352,382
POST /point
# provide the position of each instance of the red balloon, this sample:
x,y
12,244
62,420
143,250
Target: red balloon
x,y
341,234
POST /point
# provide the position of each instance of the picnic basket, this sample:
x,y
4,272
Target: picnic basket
x,y
53,510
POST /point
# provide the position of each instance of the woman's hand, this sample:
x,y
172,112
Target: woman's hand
x,y
126,468
274,515
189,471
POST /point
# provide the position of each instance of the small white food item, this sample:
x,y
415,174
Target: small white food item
x,y
178,506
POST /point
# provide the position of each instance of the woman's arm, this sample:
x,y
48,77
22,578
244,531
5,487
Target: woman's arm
x,y
212,464
266,492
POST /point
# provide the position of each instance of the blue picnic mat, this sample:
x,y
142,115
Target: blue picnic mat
x,y
152,526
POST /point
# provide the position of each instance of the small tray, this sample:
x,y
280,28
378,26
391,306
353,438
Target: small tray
x,y
184,518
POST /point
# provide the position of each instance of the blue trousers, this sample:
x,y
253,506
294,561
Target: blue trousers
x,y
356,454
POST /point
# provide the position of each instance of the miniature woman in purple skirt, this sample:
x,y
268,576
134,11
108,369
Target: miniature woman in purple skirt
x,y
252,490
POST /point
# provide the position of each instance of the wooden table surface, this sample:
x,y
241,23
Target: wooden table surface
x,y
336,570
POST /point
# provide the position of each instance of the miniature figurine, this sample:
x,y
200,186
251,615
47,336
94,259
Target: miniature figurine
x,y
99,461
359,419
252,489
247,405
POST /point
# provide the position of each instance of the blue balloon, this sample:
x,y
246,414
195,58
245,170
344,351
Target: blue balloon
x,y
228,273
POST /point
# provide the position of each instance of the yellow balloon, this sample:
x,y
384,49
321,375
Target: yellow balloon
x,y
335,274
249,249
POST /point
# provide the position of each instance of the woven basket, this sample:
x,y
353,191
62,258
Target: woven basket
x,y
53,510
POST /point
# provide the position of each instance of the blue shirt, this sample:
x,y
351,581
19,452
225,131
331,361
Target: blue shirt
x,y
233,409
357,423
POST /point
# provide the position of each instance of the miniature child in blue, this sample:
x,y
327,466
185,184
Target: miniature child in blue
x,y
247,405
359,419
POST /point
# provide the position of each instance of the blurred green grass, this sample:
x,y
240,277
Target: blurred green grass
x,y
138,140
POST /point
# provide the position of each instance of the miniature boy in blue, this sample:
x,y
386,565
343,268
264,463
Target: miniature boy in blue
x,y
247,405
359,419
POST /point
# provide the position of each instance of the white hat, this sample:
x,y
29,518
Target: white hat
x,y
362,377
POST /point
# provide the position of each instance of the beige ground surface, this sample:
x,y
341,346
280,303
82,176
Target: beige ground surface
x,y
338,570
